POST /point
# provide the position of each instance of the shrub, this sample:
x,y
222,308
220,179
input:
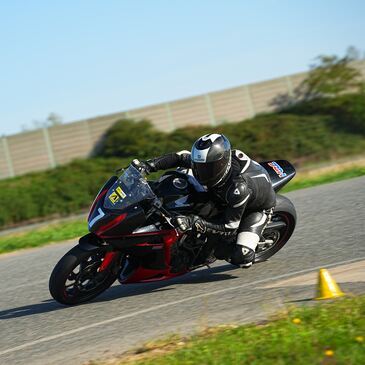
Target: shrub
x,y
62,191
347,111
310,131
300,138
128,138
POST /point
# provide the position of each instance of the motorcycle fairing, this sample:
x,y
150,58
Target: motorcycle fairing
x,y
99,201
119,199
145,275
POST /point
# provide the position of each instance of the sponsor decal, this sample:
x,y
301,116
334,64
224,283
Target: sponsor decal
x,y
200,155
117,194
277,168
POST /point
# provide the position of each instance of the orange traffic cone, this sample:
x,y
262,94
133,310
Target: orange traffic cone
x,y
327,287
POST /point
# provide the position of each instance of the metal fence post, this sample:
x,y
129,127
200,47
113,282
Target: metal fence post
x,y
289,85
88,131
8,159
169,116
248,100
47,140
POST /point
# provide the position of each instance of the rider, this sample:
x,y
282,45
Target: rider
x,y
238,185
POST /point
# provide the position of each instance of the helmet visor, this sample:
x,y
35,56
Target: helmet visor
x,y
210,173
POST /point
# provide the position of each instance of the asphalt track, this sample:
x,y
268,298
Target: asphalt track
x,y
34,329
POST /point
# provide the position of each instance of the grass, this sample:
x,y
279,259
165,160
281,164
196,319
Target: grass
x,y
73,229
327,333
308,180
43,236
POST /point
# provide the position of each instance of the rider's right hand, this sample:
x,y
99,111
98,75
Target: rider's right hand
x,y
182,222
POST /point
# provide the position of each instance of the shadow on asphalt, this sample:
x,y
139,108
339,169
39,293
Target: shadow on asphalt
x,y
125,291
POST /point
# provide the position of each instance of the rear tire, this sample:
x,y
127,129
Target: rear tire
x,y
89,283
284,212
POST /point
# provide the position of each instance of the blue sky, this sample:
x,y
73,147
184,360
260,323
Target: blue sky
x,y
86,58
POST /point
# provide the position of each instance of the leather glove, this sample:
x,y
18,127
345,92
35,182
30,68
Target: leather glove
x,y
182,222
142,166
190,222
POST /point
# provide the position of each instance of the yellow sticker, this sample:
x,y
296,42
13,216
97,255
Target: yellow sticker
x,y
121,193
114,197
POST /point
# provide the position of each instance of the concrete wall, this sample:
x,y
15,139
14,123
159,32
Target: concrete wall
x,y
49,147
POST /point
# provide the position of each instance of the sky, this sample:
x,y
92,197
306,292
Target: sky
x,y
81,59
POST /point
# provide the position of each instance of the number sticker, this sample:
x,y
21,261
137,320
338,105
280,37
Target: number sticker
x,y
117,195
114,197
121,193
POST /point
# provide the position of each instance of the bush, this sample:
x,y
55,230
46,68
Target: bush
x,y
299,138
347,111
311,131
62,191
130,139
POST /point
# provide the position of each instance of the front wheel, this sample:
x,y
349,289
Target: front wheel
x,y
278,232
81,276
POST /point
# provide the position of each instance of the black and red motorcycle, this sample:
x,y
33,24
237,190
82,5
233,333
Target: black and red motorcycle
x,y
132,237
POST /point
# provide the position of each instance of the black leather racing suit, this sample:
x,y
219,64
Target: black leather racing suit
x,y
245,193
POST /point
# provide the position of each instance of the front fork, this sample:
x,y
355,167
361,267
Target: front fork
x,y
91,242
108,259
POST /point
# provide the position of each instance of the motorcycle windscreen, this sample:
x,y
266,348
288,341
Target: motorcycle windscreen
x,y
129,189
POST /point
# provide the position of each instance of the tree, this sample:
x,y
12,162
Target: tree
x,y
332,76
52,120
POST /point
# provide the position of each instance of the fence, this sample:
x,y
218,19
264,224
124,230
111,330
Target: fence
x,y
49,147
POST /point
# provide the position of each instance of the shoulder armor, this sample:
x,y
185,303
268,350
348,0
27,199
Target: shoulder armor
x,y
237,194
243,159
240,155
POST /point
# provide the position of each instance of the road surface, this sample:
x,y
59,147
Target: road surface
x,y
37,330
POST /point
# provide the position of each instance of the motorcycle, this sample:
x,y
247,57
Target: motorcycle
x,y
132,237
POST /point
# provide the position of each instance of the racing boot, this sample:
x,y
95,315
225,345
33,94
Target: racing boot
x,y
244,252
242,256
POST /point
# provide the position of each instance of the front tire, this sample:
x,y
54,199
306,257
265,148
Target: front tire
x,y
76,277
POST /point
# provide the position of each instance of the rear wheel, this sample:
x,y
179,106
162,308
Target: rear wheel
x,y
80,276
279,231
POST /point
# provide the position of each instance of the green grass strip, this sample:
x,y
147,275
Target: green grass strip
x,y
43,236
328,333
307,182
68,230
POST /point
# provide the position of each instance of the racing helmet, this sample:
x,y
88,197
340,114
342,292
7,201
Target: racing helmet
x,y
211,159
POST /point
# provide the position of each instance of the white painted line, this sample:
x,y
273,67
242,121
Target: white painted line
x,y
157,307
